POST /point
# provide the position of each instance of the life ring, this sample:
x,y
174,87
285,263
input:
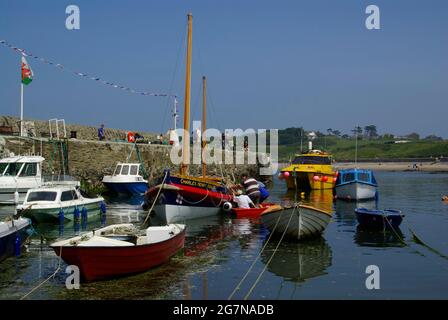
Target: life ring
x,y
131,136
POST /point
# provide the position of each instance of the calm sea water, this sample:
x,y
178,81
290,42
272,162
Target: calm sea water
x,y
220,250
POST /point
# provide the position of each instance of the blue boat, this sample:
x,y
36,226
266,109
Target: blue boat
x,y
387,218
126,179
356,184
13,235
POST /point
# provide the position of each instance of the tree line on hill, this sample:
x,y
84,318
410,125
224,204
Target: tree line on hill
x,y
294,135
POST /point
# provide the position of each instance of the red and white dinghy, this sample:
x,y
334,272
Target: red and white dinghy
x,y
121,249
251,213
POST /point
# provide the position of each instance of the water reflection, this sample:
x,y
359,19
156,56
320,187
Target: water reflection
x,y
299,261
345,210
379,238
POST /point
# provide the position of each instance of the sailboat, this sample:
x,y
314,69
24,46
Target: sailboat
x,y
181,196
356,184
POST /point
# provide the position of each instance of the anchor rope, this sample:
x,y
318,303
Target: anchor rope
x,y
155,199
271,257
48,279
256,258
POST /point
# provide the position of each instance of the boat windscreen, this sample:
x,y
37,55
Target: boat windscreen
x,y
347,177
13,168
311,160
30,170
2,168
364,176
42,196
117,170
134,170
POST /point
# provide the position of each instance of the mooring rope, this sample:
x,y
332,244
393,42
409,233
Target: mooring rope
x,y
48,279
272,256
155,199
256,258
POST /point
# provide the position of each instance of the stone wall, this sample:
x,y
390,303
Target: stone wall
x,y
41,128
89,161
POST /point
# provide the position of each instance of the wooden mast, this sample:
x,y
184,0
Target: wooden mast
x,y
186,136
204,125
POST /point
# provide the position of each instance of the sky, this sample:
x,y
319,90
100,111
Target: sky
x,y
269,64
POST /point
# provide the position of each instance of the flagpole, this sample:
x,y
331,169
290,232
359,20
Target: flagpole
x,y
21,109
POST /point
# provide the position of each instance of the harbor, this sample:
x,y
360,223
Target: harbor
x,y
130,183
220,250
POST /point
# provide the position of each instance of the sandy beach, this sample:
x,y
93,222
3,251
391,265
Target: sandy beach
x,y
396,166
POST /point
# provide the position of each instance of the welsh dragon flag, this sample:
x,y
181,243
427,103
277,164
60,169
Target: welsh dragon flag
x,y
27,73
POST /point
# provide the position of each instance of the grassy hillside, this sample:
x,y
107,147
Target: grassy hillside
x,y
344,149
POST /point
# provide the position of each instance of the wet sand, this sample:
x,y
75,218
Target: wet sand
x,y
396,166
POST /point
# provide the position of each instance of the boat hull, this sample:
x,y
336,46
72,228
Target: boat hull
x,y
8,240
305,181
355,191
7,196
97,263
127,188
251,213
375,220
298,222
168,213
51,215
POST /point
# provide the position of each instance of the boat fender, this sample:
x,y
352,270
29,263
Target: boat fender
x,y
17,245
227,206
61,216
16,197
103,207
76,214
84,214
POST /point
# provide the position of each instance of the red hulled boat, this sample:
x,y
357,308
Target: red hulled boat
x,y
120,249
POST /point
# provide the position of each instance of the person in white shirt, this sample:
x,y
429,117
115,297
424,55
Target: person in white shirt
x,y
243,201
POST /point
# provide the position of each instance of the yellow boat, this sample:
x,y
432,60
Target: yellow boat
x,y
310,171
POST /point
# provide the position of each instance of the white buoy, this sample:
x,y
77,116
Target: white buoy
x,y
16,197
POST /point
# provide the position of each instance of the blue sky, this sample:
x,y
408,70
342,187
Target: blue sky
x,y
270,64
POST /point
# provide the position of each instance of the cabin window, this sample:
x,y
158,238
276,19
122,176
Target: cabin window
x,y
29,170
13,168
134,170
125,170
67,195
363,176
311,160
75,195
350,176
2,168
41,196
117,170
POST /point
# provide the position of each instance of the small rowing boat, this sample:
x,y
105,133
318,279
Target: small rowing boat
x,y
121,249
297,222
251,212
387,218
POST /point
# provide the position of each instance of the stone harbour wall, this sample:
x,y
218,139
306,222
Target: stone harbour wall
x,y
90,160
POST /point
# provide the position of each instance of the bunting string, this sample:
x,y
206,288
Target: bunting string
x,y
82,74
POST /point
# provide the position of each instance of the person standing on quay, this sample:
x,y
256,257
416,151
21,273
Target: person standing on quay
x,y
101,135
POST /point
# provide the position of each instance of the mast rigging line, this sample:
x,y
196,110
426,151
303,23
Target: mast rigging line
x,y
83,75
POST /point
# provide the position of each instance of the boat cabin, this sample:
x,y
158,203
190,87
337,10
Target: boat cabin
x,y
21,166
127,169
56,195
356,175
313,157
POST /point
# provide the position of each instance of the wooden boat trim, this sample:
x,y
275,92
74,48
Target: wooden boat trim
x,y
328,213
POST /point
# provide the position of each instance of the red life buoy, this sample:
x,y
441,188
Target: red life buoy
x,y
131,136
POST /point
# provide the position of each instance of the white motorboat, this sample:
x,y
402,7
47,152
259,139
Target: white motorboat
x,y
126,179
59,204
18,174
